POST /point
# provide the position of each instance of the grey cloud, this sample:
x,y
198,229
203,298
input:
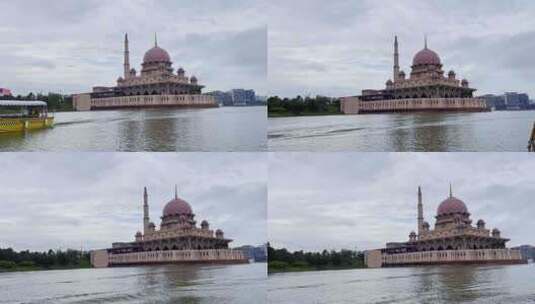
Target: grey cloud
x,y
65,200
363,200
488,42
83,40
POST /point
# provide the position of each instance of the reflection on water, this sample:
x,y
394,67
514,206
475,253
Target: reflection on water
x,y
220,129
164,284
446,284
489,131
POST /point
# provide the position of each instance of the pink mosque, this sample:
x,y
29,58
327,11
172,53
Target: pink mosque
x,y
454,240
157,85
426,89
178,240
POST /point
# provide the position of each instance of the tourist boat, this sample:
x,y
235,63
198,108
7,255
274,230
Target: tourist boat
x,y
18,115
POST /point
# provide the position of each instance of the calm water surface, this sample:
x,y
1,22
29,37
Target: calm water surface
x,y
166,284
486,132
446,284
219,129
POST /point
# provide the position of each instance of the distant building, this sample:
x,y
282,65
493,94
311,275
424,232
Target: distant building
x,y
237,97
507,101
241,97
222,98
5,92
454,240
256,253
496,102
527,252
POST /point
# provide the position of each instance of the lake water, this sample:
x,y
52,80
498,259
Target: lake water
x,y
445,284
483,132
218,129
164,284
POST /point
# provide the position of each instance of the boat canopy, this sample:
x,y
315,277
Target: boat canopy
x,y
22,103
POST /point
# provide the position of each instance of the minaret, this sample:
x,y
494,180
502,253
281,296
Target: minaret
x,y
420,212
396,60
145,212
126,58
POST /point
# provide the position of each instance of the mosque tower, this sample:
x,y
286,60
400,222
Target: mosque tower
x,y
145,212
420,212
396,60
126,58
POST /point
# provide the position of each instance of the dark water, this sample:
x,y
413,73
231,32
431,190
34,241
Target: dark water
x,y
481,132
165,284
221,129
446,284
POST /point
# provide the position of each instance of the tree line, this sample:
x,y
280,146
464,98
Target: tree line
x,y
51,259
284,260
55,101
301,106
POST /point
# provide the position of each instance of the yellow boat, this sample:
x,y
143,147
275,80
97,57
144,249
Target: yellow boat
x,y
19,115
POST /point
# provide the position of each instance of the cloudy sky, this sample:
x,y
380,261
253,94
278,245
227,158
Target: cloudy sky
x,y
93,199
337,48
71,46
352,200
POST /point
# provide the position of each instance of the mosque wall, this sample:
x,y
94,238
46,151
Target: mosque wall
x,y
204,101
352,105
101,258
481,256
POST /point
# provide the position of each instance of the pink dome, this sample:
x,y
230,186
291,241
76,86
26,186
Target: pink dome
x,y
156,54
451,205
177,206
426,56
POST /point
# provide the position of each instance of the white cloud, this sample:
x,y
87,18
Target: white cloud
x,y
363,200
93,199
71,46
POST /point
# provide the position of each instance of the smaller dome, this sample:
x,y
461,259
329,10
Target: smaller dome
x,y
412,233
480,222
402,73
151,225
426,225
495,230
389,82
120,79
180,71
219,233
464,81
204,224
193,79
138,233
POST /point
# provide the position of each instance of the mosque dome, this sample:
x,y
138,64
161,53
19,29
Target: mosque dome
x,y
177,206
426,57
156,54
451,205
